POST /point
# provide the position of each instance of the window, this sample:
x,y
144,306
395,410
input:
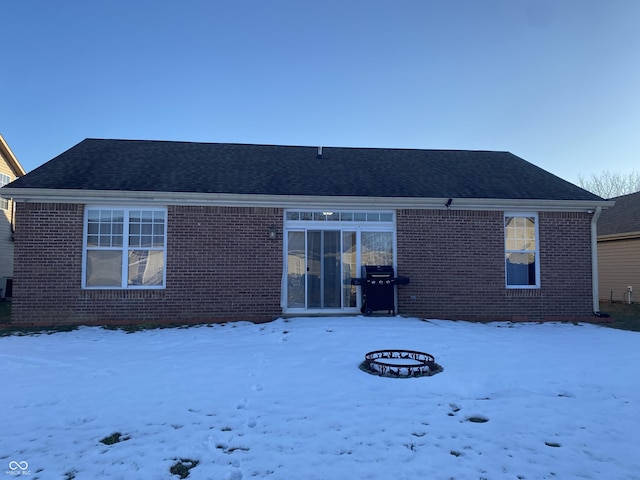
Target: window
x,y
4,180
521,251
331,216
124,248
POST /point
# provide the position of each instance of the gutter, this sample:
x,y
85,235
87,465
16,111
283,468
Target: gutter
x,y
292,201
594,263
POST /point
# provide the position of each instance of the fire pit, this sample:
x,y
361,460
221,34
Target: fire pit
x,y
400,363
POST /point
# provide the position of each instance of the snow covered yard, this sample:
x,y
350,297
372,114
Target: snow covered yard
x,y
286,400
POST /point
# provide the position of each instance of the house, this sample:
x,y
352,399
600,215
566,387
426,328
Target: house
x,y
10,169
135,231
619,250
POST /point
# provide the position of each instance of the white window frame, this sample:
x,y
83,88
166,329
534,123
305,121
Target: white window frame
x,y
4,180
358,221
535,251
125,248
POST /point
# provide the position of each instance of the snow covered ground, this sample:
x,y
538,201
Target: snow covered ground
x,y
286,400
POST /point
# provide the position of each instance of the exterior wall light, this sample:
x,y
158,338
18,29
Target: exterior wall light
x,y
272,232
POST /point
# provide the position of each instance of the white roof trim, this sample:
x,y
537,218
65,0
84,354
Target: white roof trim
x,y
291,201
13,162
619,236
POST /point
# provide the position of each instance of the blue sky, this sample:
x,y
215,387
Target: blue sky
x,y
556,82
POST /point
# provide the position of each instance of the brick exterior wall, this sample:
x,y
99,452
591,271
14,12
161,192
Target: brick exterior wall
x,y
221,266
455,260
47,262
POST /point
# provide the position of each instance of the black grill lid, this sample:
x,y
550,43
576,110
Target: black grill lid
x,y
377,271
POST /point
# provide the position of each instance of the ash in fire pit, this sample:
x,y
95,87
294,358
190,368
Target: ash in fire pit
x,y
400,363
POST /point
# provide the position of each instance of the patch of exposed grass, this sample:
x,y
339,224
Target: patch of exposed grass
x,y
236,449
22,331
181,467
147,326
227,449
624,316
115,437
477,419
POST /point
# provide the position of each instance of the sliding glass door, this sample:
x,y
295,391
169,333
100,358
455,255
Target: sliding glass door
x,y
320,264
324,251
296,270
324,279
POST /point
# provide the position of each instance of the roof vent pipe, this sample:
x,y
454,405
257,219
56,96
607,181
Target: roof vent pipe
x,y
319,152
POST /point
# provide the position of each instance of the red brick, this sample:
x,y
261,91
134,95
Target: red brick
x,y
221,266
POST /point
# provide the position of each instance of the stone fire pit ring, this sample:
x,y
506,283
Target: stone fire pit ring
x,y
400,363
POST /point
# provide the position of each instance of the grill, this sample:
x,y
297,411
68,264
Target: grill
x,y
378,288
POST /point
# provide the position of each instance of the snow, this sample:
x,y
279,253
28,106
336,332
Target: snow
x,y
286,400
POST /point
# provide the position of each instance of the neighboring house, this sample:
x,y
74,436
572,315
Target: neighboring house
x,y
126,231
619,250
10,169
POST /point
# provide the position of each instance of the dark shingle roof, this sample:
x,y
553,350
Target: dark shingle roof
x,y
143,165
624,217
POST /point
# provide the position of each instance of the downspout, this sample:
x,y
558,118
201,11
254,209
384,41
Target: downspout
x,y
594,263
12,221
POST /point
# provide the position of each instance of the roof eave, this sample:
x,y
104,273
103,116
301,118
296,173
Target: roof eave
x,y
619,236
11,158
120,197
